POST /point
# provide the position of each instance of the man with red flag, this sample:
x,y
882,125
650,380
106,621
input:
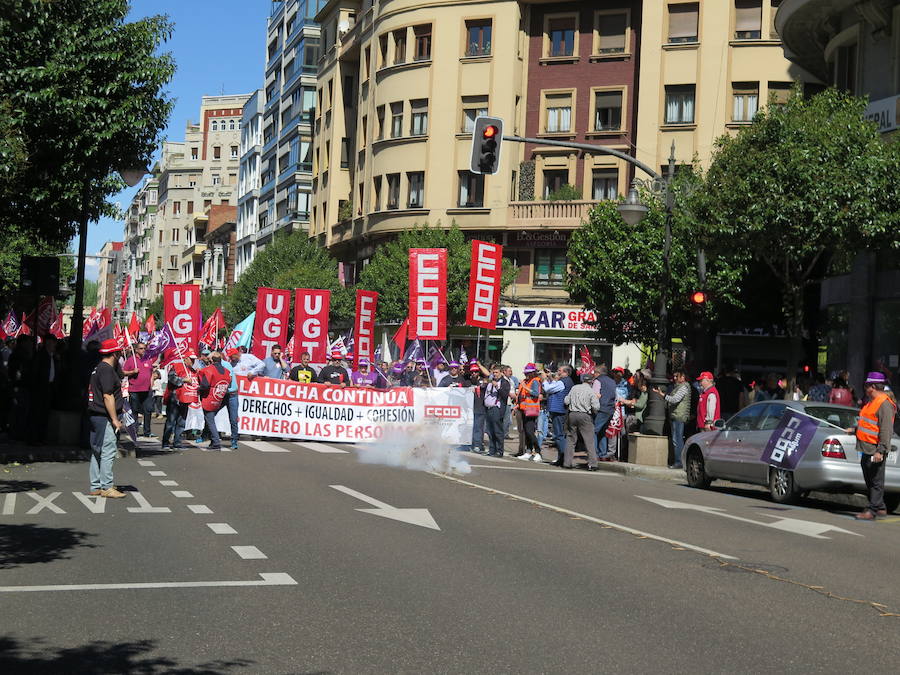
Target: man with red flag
x,y
215,380
181,392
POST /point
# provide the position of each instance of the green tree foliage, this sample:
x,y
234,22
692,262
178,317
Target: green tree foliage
x,y
805,180
290,261
617,271
565,193
388,271
90,293
15,243
80,92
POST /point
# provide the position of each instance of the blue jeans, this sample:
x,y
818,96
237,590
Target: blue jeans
x,y
601,422
677,440
210,417
558,419
103,452
493,419
478,430
231,400
176,416
542,424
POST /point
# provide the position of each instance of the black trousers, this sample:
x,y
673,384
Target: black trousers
x,y
493,421
874,474
142,404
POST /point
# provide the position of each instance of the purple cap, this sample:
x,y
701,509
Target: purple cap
x,y
454,364
397,368
876,378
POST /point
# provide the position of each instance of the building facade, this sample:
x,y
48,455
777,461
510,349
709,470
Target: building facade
x,y
219,259
855,46
248,182
111,275
140,246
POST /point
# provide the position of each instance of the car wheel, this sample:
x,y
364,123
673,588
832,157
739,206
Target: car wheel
x,y
892,501
782,487
696,470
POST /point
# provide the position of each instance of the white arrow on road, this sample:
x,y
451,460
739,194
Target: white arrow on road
x,y
804,527
421,517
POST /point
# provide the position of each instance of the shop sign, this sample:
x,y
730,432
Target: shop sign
x,y
546,318
885,113
538,239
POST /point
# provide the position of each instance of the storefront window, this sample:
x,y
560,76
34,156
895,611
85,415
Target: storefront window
x,y
560,353
886,335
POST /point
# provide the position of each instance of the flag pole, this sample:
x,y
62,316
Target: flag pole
x,y
478,345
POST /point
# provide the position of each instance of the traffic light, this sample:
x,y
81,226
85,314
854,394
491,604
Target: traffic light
x,y
486,138
39,275
699,298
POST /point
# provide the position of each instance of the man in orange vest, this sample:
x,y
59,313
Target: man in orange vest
x,y
873,439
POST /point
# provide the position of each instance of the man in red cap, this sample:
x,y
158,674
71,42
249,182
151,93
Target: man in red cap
x,y
334,373
709,406
104,406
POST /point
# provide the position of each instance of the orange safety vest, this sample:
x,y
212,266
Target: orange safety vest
x,y
867,427
525,399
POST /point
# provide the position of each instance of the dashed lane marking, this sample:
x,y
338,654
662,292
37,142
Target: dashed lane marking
x,y
199,508
221,528
157,473
265,446
146,462
169,483
323,448
266,579
182,494
249,553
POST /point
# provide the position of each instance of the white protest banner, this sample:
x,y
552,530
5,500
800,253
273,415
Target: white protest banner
x,y
320,412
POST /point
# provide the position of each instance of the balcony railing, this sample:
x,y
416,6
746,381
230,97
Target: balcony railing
x,y
556,214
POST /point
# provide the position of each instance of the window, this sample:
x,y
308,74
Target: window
x,y
604,185
364,133
190,207
561,36
231,125
418,125
393,189
773,34
558,113
472,107
206,204
376,193
173,262
471,189
160,238
478,37
554,179
175,234
680,104
397,119
380,112
423,42
400,46
845,68
232,179
159,262
215,125
683,22
345,153
779,92
746,420
607,111
745,101
747,19
192,182
234,152
349,91
176,208
194,153
368,64
383,50
550,267
612,32
416,180
217,152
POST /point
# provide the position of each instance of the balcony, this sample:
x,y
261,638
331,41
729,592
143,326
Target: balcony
x,y
563,214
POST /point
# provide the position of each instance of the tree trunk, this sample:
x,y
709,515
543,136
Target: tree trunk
x,y
794,320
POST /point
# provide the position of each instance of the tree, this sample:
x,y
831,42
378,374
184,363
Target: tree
x,y
81,96
17,243
290,261
616,270
564,193
805,180
388,271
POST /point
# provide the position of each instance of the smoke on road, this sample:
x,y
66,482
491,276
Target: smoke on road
x,y
420,448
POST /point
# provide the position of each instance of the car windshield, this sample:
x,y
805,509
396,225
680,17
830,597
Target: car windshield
x,y
845,418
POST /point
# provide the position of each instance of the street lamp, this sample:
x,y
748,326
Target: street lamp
x,y
633,211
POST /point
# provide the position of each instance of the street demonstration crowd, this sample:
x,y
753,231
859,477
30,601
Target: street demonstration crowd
x,y
590,410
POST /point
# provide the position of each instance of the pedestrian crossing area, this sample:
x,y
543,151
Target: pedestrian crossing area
x,y
270,447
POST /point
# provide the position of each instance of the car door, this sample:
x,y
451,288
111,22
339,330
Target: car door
x,y
726,451
754,443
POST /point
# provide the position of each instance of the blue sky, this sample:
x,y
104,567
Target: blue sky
x,y
219,47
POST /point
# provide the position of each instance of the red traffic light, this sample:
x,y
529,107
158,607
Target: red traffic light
x,y
698,297
490,131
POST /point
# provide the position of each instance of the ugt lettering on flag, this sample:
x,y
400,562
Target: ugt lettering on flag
x,y
428,293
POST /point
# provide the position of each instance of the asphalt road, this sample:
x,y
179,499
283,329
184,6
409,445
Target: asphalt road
x,y
533,569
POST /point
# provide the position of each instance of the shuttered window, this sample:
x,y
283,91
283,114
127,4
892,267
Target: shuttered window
x,y
683,19
747,19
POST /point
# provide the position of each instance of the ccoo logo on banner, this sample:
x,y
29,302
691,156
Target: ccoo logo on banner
x,y
364,327
789,440
428,293
484,285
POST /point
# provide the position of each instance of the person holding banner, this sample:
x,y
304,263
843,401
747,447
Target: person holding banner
x,y
454,378
248,365
274,365
215,380
334,373
303,372
873,439
105,403
363,377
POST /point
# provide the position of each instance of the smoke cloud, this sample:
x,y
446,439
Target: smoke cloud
x,y
420,448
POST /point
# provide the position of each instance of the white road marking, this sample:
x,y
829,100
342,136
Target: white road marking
x,y
324,449
145,506
146,462
93,504
421,517
805,528
157,473
44,503
266,579
9,504
182,494
249,553
221,528
487,458
264,446
199,508
584,516
556,471
169,483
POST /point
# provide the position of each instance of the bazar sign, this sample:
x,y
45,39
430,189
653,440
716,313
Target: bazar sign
x,y
885,113
553,318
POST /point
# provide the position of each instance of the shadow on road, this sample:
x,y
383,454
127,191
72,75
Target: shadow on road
x,y
94,658
26,544
7,486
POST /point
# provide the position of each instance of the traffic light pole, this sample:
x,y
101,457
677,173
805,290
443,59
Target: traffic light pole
x,y
596,149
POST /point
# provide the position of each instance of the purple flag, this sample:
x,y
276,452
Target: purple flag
x,y
414,352
159,342
435,356
789,440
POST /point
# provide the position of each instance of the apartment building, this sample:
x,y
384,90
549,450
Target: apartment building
x,y
140,247
705,69
111,275
275,194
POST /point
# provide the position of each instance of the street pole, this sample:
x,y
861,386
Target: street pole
x,y
78,310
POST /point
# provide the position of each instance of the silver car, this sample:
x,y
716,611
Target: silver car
x,y
734,449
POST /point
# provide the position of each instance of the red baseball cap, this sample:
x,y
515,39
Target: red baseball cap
x,y
706,375
336,354
110,346
232,352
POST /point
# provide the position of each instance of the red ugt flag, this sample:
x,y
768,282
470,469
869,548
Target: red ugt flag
x,y
311,309
428,293
181,309
273,308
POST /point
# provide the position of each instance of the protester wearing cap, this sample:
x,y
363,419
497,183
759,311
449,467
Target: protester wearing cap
x,y
104,406
528,407
708,407
363,376
454,377
873,439
334,373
